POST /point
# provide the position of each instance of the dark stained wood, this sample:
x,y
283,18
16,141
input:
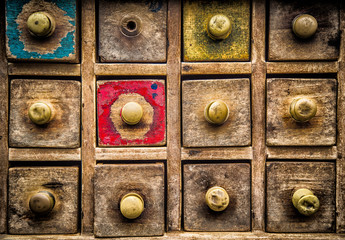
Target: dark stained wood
x,y
62,182
283,179
112,182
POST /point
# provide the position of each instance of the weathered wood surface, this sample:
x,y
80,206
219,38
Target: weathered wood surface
x,y
284,45
113,95
152,153
148,46
130,69
44,69
112,182
303,153
197,132
44,154
198,46
63,131
283,130
283,179
62,182
61,46
216,68
234,153
235,179
302,67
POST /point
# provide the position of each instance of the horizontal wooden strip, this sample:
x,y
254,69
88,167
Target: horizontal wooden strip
x,y
234,153
156,153
216,68
129,69
302,153
301,67
44,154
44,69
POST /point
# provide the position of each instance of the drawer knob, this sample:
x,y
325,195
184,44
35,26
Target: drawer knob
x,y
216,112
219,27
130,26
305,202
41,24
304,26
42,202
40,113
131,205
217,199
131,113
303,109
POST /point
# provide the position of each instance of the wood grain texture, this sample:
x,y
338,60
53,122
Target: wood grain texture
x,y
301,67
283,179
61,46
303,153
152,153
234,178
284,45
148,46
44,154
44,69
233,153
112,182
130,69
63,131
216,68
198,46
197,132
61,182
282,130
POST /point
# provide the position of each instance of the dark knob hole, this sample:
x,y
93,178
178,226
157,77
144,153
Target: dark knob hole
x,y
131,25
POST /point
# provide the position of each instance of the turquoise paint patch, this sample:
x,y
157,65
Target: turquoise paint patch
x,y
15,7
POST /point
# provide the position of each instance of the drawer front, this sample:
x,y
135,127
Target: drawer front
x,y
283,179
283,129
112,183
199,46
234,178
112,98
60,97
132,31
26,183
198,94
284,44
23,44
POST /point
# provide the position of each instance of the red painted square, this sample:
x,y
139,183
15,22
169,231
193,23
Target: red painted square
x,y
112,95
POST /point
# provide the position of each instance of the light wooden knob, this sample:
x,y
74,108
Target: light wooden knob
x,y
217,199
132,113
131,205
305,202
42,202
303,109
216,112
304,26
40,113
219,27
41,24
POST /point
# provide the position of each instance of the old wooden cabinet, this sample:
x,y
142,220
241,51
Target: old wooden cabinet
x,y
172,119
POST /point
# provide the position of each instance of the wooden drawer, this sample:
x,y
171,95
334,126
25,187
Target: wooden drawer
x,y
283,129
199,46
62,97
197,94
112,97
24,185
112,183
285,45
234,178
132,31
283,179
60,46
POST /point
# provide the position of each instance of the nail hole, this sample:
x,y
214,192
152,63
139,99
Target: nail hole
x,y
131,25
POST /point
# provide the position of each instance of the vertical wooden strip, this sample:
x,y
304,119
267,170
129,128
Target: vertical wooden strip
x,y
88,57
258,114
340,184
173,117
4,122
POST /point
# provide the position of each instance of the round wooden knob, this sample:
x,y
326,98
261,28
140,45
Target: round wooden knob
x,y
131,205
304,26
216,112
130,26
305,202
132,113
217,199
40,113
41,24
303,109
42,202
219,27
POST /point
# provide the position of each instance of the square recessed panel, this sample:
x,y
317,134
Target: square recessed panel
x,y
235,179
197,132
132,31
285,45
61,46
112,182
198,46
283,130
113,95
61,182
283,179
63,97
